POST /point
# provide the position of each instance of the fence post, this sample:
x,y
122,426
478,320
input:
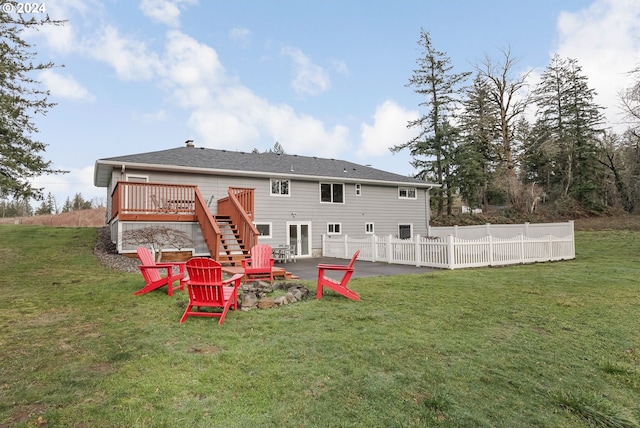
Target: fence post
x,y
526,228
323,251
573,240
374,247
488,228
346,247
450,253
490,250
416,248
522,248
389,249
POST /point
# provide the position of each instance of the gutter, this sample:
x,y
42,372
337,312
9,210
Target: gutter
x,y
236,173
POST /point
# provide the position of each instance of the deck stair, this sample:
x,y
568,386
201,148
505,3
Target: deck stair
x,y
232,249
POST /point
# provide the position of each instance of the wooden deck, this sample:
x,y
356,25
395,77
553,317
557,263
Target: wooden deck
x,y
278,272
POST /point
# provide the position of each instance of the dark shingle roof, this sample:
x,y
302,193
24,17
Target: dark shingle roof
x,y
258,164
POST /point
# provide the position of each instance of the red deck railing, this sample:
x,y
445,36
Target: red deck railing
x,y
140,199
151,202
238,206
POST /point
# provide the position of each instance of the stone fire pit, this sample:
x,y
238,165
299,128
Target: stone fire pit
x,y
256,295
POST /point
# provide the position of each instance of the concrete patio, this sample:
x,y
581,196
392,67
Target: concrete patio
x,y
307,269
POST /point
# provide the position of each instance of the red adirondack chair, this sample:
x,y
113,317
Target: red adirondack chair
x,y
151,272
260,266
337,286
207,289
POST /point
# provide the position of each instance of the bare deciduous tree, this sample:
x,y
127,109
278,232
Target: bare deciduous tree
x,y
508,95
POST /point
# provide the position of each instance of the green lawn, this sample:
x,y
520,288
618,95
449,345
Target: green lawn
x,y
546,345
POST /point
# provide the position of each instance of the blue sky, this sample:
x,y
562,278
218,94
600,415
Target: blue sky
x,y
321,77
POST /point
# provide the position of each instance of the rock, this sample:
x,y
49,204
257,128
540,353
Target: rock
x,y
299,291
265,287
290,297
266,303
248,301
282,300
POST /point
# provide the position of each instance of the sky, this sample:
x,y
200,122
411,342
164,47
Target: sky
x,y
321,77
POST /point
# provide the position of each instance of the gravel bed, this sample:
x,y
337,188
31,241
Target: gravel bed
x,y
107,252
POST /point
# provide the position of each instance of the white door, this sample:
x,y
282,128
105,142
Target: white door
x,y
299,235
136,198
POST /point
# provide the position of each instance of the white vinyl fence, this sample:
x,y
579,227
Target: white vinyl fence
x,y
463,246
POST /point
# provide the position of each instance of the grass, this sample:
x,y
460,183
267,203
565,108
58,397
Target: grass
x,y
546,345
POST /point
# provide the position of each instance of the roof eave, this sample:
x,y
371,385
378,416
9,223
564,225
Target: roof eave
x,y
239,173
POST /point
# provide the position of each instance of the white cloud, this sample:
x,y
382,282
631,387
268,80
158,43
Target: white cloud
x,y
63,38
238,119
340,67
604,40
164,11
132,59
389,128
62,186
65,86
226,114
155,116
192,70
310,79
241,36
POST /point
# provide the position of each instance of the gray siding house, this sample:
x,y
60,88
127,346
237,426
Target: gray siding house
x,y
283,199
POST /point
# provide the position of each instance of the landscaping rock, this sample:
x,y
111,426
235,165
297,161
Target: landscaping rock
x,y
248,301
290,297
266,303
282,300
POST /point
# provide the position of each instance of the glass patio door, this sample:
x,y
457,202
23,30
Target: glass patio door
x,y
299,235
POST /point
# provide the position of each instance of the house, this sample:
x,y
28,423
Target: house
x,y
227,200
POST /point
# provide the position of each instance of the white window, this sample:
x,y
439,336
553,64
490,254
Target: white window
x,y
405,231
332,192
264,229
407,193
368,228
334,228
280,187
358,189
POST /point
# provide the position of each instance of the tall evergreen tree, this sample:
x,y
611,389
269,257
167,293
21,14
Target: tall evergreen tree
x,y
477,155
47,206
432,148
278,149
17,207
20,99
566,135
79,203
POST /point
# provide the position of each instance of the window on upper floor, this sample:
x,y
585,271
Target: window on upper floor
x,y
280,187
332,193
407,193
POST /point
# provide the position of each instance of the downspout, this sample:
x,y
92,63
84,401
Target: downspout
x,y
427,211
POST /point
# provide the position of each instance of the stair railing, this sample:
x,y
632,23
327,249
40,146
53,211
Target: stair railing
x,y
238,206
210,230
